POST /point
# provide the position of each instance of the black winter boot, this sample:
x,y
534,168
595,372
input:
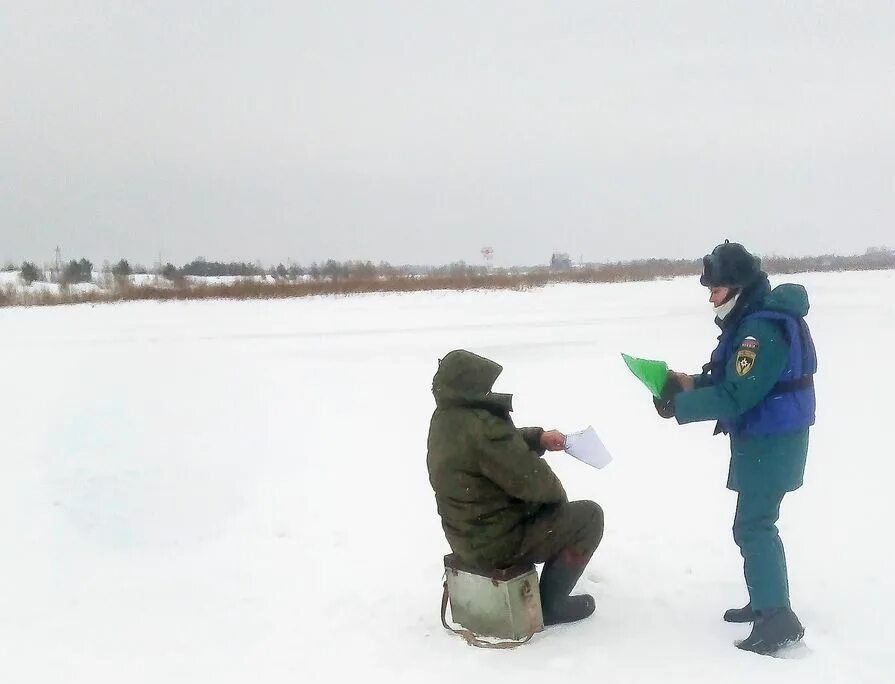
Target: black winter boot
x,y
744,614
557,580
773,629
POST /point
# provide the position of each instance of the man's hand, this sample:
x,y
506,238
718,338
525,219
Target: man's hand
x,y
553,440
686,381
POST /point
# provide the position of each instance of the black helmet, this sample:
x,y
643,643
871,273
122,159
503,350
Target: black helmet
x,y
729,265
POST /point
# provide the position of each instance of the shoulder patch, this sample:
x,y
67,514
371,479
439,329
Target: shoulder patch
x,y
745,361
749,343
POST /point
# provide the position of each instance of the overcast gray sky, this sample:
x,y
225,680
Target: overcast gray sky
x,y
418,132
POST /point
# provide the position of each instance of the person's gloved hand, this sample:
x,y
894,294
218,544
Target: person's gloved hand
x,y
664,403
664,407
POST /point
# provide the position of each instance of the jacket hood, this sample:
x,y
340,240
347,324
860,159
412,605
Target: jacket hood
x,y
466,379
790,299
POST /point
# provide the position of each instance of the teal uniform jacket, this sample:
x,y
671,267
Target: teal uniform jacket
x,y
773,463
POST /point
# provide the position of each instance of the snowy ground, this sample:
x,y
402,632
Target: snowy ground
x,y
237,492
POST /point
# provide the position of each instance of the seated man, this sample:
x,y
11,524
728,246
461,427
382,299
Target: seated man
x,y
500,503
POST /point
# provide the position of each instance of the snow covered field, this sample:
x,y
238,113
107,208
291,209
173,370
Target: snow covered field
x,y
237,491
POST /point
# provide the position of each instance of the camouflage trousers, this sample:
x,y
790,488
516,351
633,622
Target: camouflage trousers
x,y
572,529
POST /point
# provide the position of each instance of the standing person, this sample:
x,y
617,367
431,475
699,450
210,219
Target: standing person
x,y
759,387
499,501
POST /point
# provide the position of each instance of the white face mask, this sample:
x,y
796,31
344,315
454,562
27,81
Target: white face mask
x,y
724,310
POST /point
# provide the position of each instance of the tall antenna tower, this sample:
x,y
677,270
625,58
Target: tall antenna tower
x,y
487,256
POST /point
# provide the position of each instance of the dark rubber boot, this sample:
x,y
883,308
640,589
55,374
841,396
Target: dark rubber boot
x,y
557,580
744,614
773,629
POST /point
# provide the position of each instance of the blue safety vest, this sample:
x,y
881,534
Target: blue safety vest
x,y
790,405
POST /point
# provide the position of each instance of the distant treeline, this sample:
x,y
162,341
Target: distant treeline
x,y
114,282
642,269
82,270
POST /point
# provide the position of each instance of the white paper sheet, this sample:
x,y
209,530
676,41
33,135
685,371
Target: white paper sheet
x,y
587,447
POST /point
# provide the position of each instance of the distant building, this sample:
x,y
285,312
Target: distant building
x,y
560,261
